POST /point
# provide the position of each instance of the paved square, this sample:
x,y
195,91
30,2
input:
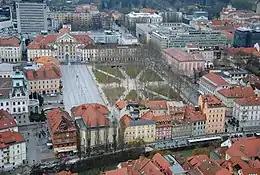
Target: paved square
x,y
78,86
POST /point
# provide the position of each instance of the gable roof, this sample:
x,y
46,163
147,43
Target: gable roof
x,y
195,161
59,120
155,104
6,120
8,138
9,41
215,79
237,92
93,114
245,148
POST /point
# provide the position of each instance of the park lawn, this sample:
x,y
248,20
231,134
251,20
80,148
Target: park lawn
x,y
111,70
132,95
104,79
133,71
151,96
150,75
164,90
113,94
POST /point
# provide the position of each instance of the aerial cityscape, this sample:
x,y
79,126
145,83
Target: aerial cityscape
x,y
129,87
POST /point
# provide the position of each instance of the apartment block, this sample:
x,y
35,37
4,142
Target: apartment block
x,y
62,132
12,150
133,18
10,49
215,112
247,112
31,17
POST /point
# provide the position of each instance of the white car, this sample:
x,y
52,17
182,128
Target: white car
x,y
53,95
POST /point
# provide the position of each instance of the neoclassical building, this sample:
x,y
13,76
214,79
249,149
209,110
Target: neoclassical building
x,y
61,45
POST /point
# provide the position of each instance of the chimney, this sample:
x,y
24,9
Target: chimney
x,y
242,148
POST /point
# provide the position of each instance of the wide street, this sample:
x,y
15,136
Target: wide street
x,y
78,86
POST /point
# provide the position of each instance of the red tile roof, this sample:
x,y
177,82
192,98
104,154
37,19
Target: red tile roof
x,y
249,51
194,115
47,60
120,171
215,79
237,92
93,114
60,120
45,72
250,171
6,120
120,104
210,167
125,120
66,173
246,148
10,41
195,161
183,56
9,138
42,42
155,104
248,101
212,101
161,161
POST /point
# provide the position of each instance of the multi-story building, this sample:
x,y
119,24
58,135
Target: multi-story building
x,y
6,18
183,62
6,70
44,80
178,35
181,127
62,45
163,125
227,96
246,37
62,131
138,129
157,107
7,122
133,18
105,37
95,126
210,83
158,164
12,150
31,17
215,112
247,112
10,49
197,120
14,97
74,18
111,52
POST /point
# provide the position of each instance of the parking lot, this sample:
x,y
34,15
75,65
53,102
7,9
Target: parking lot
x,y
78,86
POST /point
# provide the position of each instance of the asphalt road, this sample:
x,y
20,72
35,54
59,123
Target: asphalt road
x,y
78,86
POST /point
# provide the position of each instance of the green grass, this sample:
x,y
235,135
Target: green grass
x,y
111,70
132,95
133,71
104,79
151,96
150,75
165,91
113,94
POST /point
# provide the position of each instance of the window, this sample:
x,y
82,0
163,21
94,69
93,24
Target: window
x,y
7,103
13,103
18,102
14,109
2,104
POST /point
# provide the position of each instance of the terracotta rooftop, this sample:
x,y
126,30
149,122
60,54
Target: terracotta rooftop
x,y
237,92
246,148
248,51
210,167
93,114
248,101
66,173
212,101
250,171
195,161
6,120
155,104
44,42
194,115
120,171
121,104
8,138
215,79
10,41
147,116
59,120
183,56
45,72
47,60
220,22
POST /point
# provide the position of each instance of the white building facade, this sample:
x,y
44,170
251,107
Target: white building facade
x,y
10,49
247,112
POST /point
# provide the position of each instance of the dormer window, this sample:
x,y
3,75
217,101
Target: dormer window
x,y
17,84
